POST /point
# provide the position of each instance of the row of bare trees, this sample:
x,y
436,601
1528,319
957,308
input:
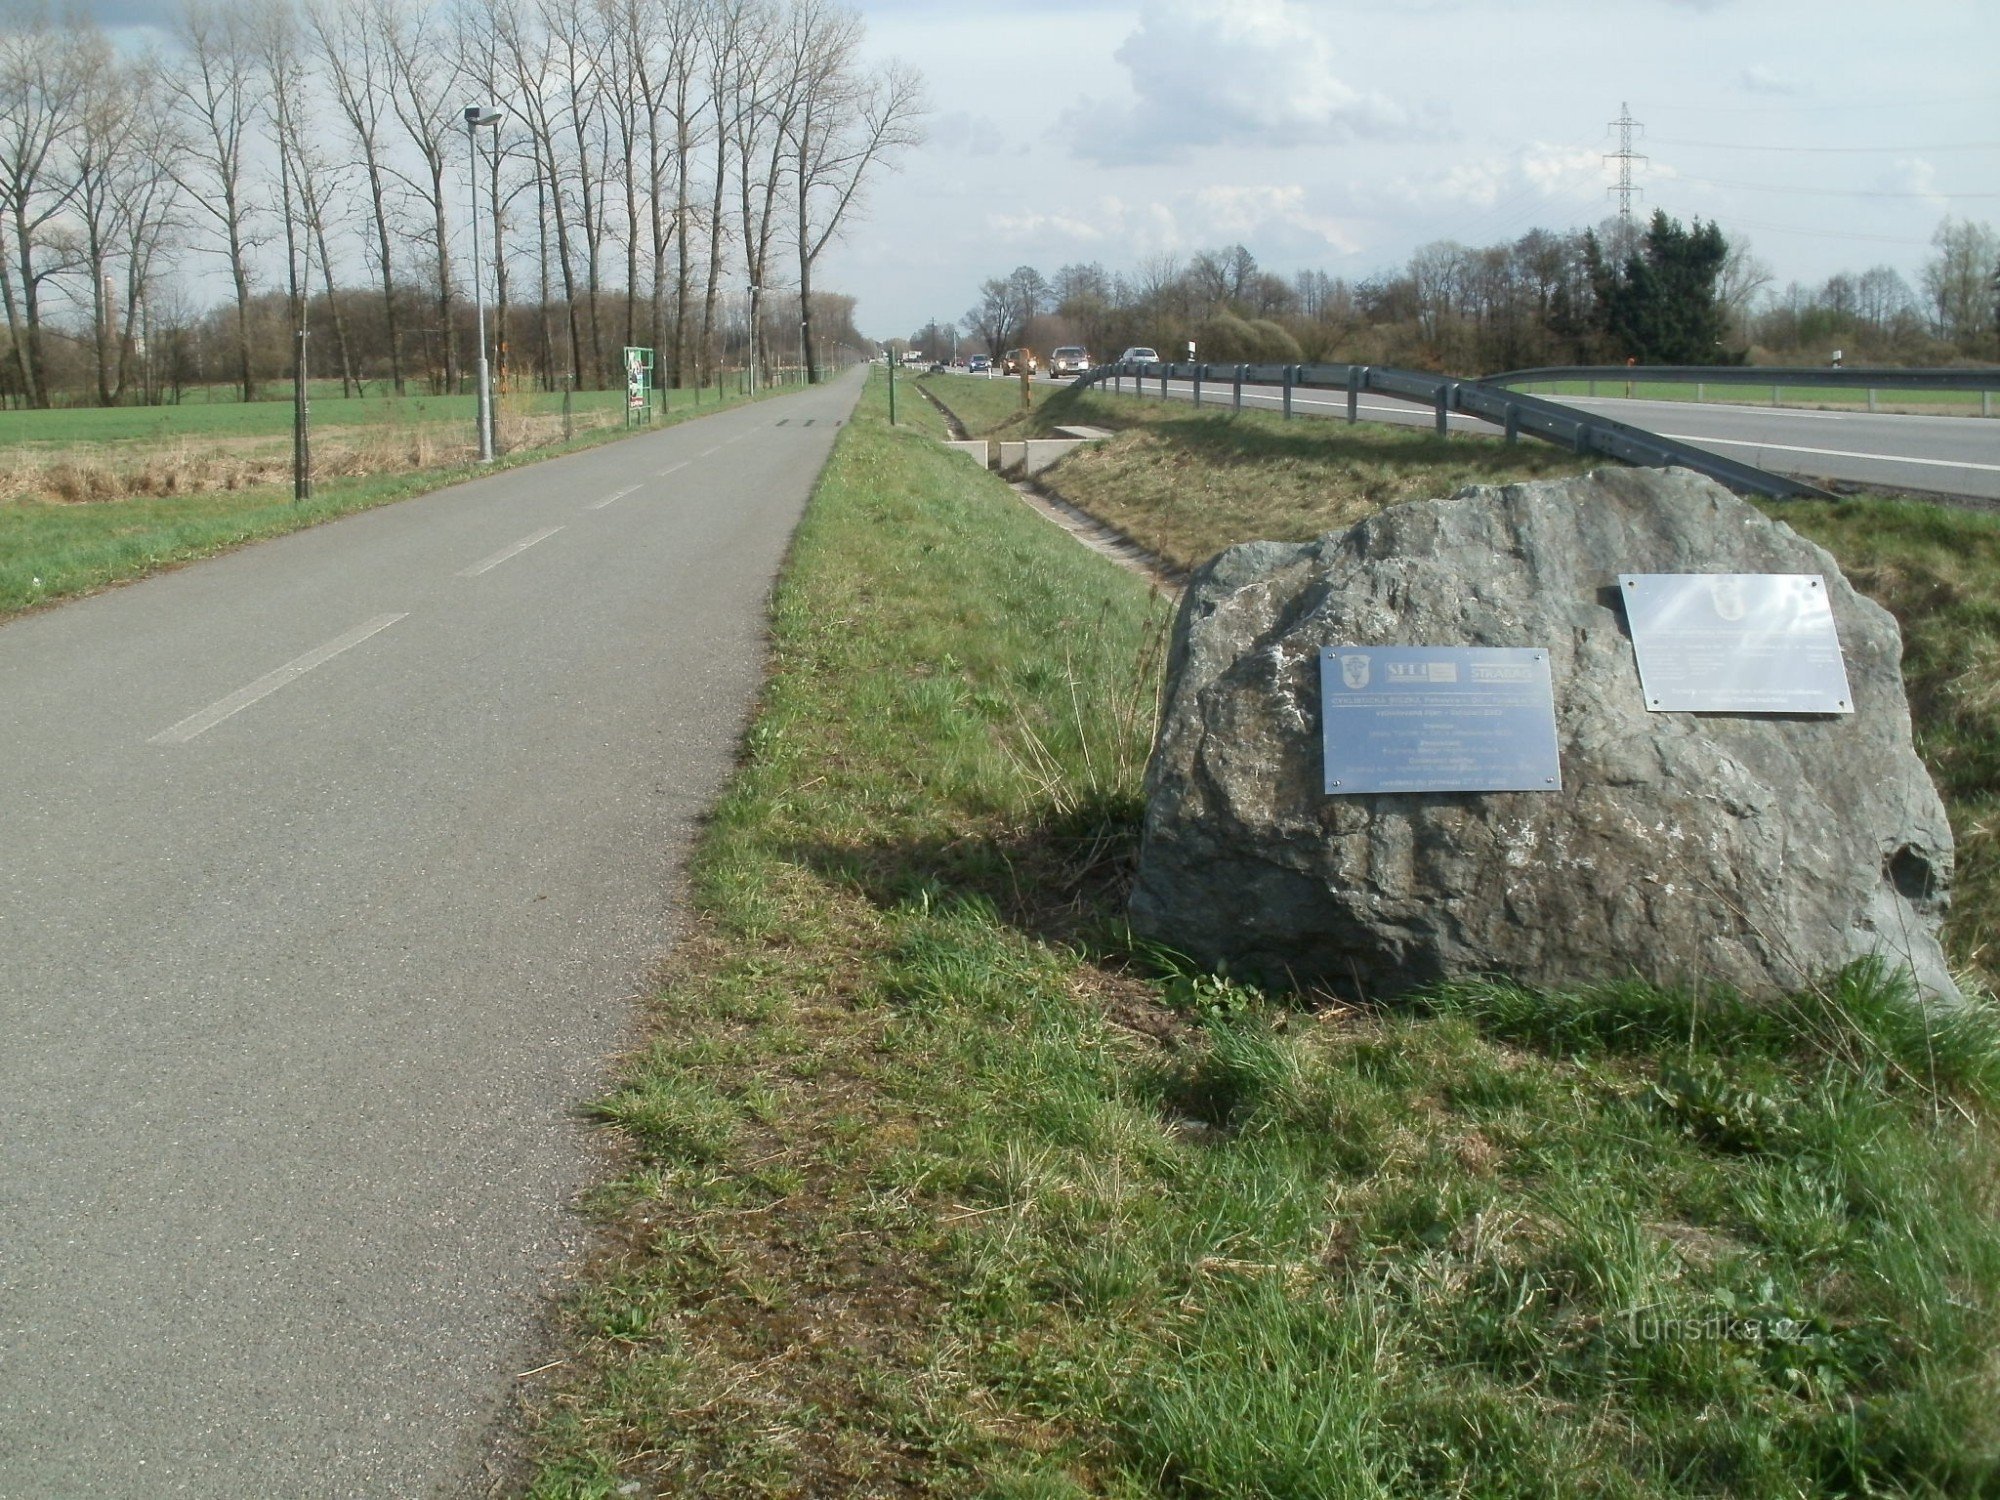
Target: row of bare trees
x,y
650,155
1538,300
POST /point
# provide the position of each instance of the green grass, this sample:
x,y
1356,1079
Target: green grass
x,y
1937,570
1184,484
1820,398
69,426
201,505
937,1187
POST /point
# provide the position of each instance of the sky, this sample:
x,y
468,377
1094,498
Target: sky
x,y
1340,136
1335,136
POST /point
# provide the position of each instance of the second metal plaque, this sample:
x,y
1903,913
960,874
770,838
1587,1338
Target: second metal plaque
x,y
1437,719
1735,643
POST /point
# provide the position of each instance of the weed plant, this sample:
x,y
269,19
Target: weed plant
x,y
938,1185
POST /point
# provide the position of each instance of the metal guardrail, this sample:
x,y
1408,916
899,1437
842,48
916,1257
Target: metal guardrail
x,y
1849,377
1513,412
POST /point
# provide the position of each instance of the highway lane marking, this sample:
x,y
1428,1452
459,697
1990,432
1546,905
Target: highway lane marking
x,y
506,552
612,498
1697,440
706,451
270,682
671,469
1880,458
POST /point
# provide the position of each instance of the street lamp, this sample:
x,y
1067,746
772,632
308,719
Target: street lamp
x,y
476,116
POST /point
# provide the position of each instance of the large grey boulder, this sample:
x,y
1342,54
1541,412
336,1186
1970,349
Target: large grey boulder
x,y
1750,851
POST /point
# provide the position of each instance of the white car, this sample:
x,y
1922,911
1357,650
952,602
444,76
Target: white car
x,y
1139,355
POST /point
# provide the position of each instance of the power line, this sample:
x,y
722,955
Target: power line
x,y
1765,187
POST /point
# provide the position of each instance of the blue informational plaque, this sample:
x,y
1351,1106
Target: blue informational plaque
x,y
1438,719
1735,643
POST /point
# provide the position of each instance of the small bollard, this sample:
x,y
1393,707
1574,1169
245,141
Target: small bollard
x,y
1237,397
1355,373
1289,369
1199,371
1444,394
1513,423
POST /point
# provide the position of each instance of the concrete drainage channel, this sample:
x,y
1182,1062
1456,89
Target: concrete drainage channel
x,y
1030,457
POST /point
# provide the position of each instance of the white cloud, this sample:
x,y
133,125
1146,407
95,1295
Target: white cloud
x,y
1278,220
1234,72
1759,79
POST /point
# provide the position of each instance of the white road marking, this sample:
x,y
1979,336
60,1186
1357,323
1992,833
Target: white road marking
x,y
671,469
270,682
612,498
706,451
506,552
1880,458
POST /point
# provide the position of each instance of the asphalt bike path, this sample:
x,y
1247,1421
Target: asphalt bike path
x,y
328,872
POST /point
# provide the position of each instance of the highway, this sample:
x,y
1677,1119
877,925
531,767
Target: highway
x,y
1956,456
330,870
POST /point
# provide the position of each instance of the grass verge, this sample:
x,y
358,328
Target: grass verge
x,y
938,1188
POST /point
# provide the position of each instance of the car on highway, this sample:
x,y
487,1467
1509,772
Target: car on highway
x,y
1139,354
1016,360
978,363
1070,359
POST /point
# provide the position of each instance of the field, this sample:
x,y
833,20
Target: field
x,y
937,1184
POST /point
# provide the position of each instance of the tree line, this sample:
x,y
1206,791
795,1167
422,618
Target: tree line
x,y
1657,293
663,173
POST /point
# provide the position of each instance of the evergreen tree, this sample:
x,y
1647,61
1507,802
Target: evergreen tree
x,y
1660,306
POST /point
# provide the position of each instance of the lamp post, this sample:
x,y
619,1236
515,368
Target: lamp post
x,y
476,116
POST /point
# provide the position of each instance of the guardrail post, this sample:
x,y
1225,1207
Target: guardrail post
x,y
1288,391
1774,395
1513,423
1580,439
1163,381
1700,391
1985,403
1237,397
1443,421
1199,371
1354,373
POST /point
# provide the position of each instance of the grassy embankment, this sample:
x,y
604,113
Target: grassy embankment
x,y
938,1187
94,496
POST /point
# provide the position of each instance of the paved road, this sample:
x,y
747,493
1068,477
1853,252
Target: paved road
x,y
327,871
1941,455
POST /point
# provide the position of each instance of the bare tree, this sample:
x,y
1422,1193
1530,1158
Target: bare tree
x,y
526,55
846,125
422,74
45,72
578,47
359,73
771,85
214,89
100,158
730,29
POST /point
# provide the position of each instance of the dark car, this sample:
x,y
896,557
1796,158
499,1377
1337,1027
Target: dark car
x,y
1070,359
977,363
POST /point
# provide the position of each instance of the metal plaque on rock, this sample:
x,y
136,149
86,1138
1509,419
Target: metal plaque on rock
x,y
1437,719
1736,643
